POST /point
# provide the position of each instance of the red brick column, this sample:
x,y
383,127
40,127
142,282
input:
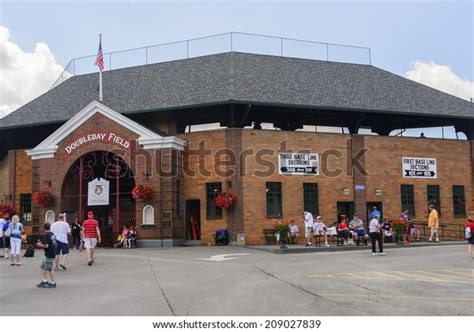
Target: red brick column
x,y
359,176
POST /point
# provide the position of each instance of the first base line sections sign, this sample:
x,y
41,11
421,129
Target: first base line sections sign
x,y
422,168
298,163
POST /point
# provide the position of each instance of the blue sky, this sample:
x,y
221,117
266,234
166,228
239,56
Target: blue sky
x,y
398,32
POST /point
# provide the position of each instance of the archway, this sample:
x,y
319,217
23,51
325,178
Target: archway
x,y
121,207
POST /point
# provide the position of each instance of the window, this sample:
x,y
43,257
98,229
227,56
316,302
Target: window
x,y
274,200
148,215
310,198
212,210
433,196
408,199
25,208
50,217
459,202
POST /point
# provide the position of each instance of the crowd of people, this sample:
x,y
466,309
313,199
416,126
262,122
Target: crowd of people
x,y
56,240
379,231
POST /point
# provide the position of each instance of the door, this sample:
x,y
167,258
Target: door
x,y
377,205
193,219
345,210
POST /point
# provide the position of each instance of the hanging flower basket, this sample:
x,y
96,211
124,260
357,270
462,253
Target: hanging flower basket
x,y
7,209
142,191
226,199
43,198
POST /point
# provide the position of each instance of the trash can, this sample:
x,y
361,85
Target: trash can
x,y
241,239
222,237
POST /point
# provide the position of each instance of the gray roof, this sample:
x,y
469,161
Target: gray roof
x,y
242,77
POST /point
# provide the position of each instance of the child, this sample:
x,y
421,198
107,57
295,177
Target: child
x,y
294,232
343,231
48,243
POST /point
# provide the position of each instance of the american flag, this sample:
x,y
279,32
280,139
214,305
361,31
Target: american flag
x,y
99,60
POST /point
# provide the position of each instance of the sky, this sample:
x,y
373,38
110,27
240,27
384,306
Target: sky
x,y
427,41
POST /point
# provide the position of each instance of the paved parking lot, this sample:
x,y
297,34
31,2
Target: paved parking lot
x,y
245,281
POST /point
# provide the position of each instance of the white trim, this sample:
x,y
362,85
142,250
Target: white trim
x,y
46,216
149,139
147,207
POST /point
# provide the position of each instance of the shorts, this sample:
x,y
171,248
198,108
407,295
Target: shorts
x,y
1,242
15,246
344,234
90,243
434,230
470,240
361,233
308,232
6,240
47,264
319,231
62,247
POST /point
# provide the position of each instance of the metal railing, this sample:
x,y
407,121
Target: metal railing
x,y
219,43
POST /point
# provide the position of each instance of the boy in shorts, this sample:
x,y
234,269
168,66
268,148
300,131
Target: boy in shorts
x,y
47,242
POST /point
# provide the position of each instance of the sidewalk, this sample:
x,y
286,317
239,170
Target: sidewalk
x,y
301,249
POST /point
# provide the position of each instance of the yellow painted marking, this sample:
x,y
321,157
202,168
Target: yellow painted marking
x,y
450,277
468,299
416,277
470,274
384,275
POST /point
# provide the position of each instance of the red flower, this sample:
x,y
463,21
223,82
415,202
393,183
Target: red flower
x,y
43,198
226,199
7,209
141,191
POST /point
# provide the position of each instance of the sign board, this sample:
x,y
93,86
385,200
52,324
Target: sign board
x,y
98,193
421,168
359,187
100,136
298,163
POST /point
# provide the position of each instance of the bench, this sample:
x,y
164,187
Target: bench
x,y
269,235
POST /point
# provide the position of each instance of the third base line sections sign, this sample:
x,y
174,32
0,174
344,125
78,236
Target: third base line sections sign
x,y
298,163
423,168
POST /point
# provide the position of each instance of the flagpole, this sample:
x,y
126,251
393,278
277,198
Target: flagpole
x,y
100,74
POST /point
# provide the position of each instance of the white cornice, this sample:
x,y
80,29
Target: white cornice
x,y
148,138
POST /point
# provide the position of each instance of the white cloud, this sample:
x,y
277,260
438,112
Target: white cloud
x,y
440,77
24,75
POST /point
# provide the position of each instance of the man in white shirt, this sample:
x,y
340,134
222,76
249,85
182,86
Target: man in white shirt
x,y
308,225
376,235
319,229
2,221
61,230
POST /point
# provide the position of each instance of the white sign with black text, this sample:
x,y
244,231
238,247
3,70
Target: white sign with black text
x,y
421,168
98,193
298,163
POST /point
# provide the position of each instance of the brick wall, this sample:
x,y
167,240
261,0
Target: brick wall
x,y
4,176
23,176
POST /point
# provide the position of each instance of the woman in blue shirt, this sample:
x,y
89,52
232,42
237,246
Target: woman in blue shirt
x,y
15,240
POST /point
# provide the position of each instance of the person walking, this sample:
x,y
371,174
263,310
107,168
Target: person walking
x,y
47,242
433,223
6,239
2,222
15,229
375,235
91,232
470,236
308,225
61,230
76,233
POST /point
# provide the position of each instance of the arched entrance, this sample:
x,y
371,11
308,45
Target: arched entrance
x,y
121,207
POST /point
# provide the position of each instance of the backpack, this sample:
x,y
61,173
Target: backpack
x,y
53,241
467,233
30,252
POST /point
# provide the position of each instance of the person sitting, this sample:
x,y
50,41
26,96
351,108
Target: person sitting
x,y
356,226
294,232
319,229
414,233
387,231
343,231
122,238
131,238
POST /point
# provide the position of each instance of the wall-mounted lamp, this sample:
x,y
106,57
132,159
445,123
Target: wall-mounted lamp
x,y
346,191
47,183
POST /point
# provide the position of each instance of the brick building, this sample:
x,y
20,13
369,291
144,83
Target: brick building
x,y
64,140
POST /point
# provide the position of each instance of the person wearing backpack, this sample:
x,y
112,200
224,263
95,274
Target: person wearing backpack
x,y
48,243
15,230
470,236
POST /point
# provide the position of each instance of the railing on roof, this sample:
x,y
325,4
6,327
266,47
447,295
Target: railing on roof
x,y
220,43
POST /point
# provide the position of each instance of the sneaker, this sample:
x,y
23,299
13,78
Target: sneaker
x,y
50,285
6,256
18,264
327,245
437,240
308,245
381,254
89,263
12,264
63,266
56,268
42,284
430,240
374,254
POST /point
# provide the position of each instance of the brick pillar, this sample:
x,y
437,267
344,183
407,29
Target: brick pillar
x,y
12,175
470,208
358,167
35,209
235,214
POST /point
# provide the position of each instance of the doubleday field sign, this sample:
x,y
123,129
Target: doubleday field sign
x,y
423,168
